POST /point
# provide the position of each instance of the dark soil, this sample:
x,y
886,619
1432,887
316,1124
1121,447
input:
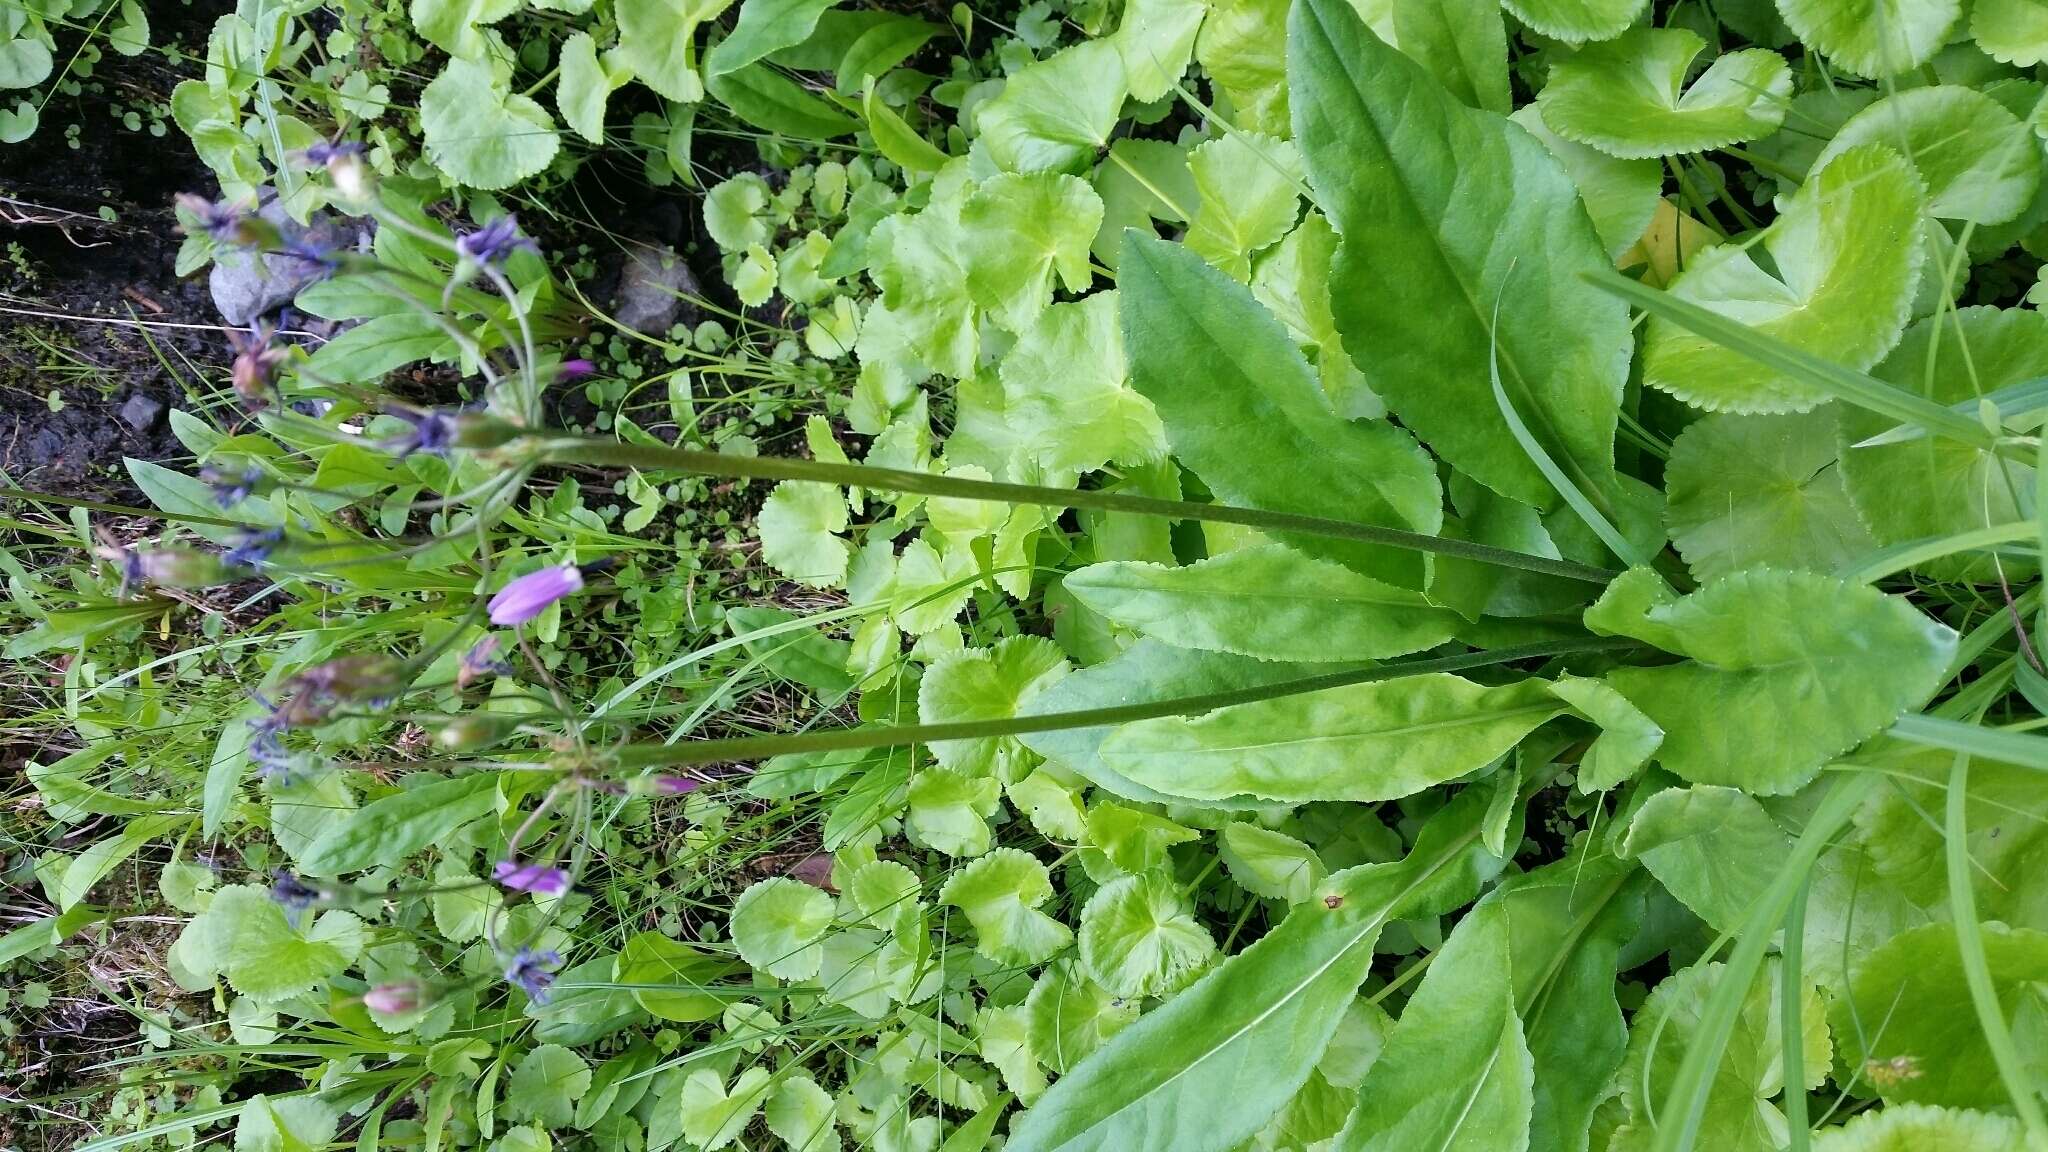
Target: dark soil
x,y
92,309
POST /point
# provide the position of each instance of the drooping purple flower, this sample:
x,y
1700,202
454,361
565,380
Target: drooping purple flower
x,y
539,879
251,547
575,369
293,895
480,661
326,152
258,356
532,972
527,597
493,243
217,218
230,488
675,785
432,432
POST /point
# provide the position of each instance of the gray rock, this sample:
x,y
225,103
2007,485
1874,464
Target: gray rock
x,y
140,412
650,288
246,285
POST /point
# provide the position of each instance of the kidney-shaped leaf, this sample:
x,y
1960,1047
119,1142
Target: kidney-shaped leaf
x,y
480,132
1848,253
1786,670
1979,162
1624,96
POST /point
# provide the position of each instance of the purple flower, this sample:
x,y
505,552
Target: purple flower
x,y
491,244
674,785
257,359
432,432
532,972
528,596
230,489
251,547
218,219
538,879
325,153
575,369
293,895
480,661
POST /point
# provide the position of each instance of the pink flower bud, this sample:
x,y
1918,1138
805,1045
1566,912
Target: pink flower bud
x,y
395,999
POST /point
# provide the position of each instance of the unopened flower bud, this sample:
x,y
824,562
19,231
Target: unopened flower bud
x,y
396,999
472,731
367,676
476,430
179,568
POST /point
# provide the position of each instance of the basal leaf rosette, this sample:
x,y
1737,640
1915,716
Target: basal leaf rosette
x,y
1847,251
1628,96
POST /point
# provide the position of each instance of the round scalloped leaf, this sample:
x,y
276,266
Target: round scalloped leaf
x,y
546,1085
1922,1127
1624,96
1739,1115
1620,195
1743,491
1000,894
1248,189
987,684
800,1114
1812,664
1874,38
1067,394
777,924
797,526
1977,161
2006,812
1053,115
481,133
1156,39
1930,1050
949,810
287,1124
1242,48
24,63
658,41
1070,1015
714,1117
1019,229
2011,31
246,937
1847,252
1577,21
1934,486
1140,938
585,86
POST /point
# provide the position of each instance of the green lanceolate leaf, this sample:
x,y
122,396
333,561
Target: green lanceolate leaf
x,y
671,978
1422,189
1206,1070
1623,96
388,830
1786,670
1364,742
1909,1023
1748,491
1567,923
765,26
1147,670
1266,601
767,99
1922,488
1463,43
1847,252
1456,1070
1243,411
